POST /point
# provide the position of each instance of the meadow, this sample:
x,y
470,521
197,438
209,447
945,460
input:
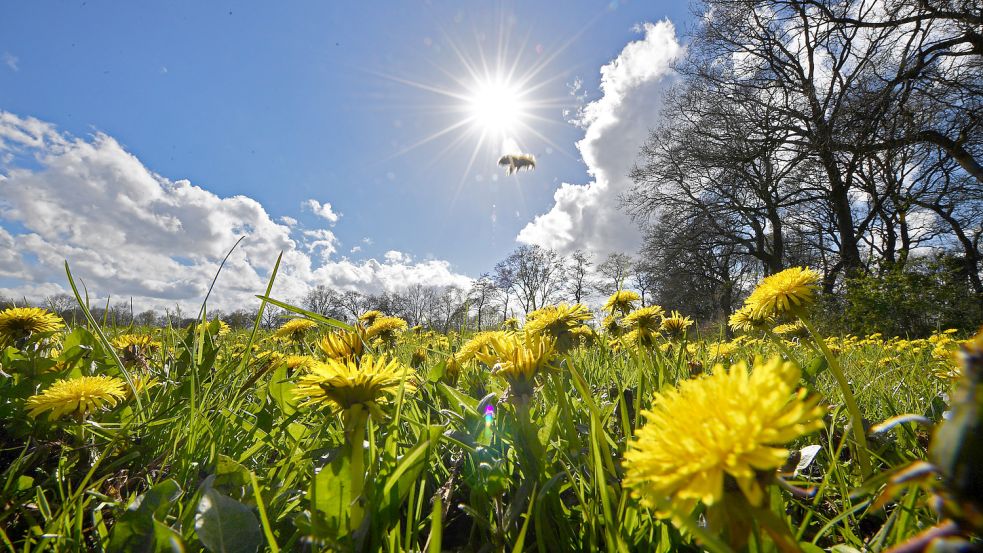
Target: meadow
x,y
632,431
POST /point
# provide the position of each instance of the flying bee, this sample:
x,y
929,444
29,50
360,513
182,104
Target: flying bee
x,y
514,162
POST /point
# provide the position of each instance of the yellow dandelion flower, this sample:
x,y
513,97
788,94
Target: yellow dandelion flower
x,y
733,423
480,342
386,329
675,324
647,318
583,335
341,344
612,325
82,395
453,366
743,320
141,342
19,323
722,349
791,329
369,317
621,301
418,358
641,337
294,329
557,321
789,290
518,359
341,385
223,327
268,356
295,362
510,324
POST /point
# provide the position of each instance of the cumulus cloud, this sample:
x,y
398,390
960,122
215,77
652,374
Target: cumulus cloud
x,y
615,126
322,210
394,256
129,232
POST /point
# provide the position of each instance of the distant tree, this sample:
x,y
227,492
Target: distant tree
x,y
354,303
450,308
577,275
240,318
148,318
483,291
533,273
273,317
419,303
325,301
644,277
60,303
321,300
614,271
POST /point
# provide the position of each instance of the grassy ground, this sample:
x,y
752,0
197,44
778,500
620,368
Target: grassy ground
x,y
219,454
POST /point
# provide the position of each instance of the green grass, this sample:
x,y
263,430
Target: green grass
x,y
218,456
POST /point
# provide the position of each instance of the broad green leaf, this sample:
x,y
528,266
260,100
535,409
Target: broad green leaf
x,y
140,528
281,391
331,497
226,526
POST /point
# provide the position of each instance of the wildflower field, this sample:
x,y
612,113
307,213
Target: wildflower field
x,y
634,431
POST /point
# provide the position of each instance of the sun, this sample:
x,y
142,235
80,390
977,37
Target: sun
x,y
488,95
496,107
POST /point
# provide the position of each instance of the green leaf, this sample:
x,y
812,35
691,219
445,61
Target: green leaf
x,y
458,401
226,526
281,391
412,464
331,497
816,367
140,528
231,478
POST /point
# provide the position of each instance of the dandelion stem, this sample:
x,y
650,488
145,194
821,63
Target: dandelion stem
x,y
857,420
704,538
355,427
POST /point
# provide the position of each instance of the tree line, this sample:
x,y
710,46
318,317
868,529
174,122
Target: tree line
x,y
843,135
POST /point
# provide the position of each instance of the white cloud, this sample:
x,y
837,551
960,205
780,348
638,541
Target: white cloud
x,y
615,126
355,249
320,239
394,256
129,232
289,221
322,210
11,61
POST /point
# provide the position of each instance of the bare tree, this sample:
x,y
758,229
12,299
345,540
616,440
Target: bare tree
x,y
533,273
323,301
577,272
354,303
644,277
615,269
273,317
482,292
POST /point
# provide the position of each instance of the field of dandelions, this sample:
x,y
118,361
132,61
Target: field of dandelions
x,y
630,433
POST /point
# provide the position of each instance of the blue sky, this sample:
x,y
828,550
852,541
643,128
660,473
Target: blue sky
x,y
284,105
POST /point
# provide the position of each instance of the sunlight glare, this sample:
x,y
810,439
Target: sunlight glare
x,y
496,107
